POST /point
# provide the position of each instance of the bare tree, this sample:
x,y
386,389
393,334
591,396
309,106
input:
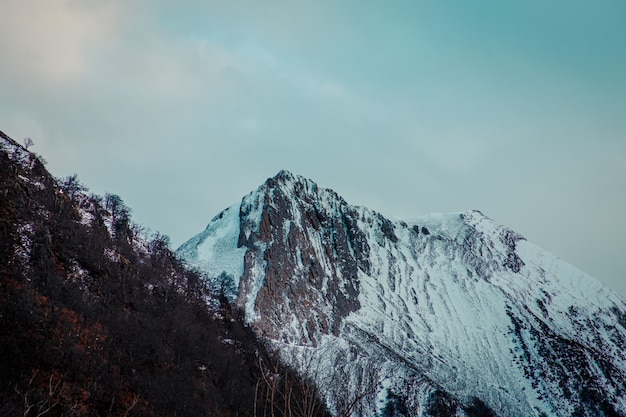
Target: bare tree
x,y
120,216
281,392
28,142
354,400
37,403
284,394
72,186
349,390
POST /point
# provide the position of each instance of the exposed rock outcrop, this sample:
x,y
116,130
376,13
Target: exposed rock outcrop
x,y
434,316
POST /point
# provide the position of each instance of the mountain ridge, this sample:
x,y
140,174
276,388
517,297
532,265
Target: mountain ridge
x,y
98,318
445,309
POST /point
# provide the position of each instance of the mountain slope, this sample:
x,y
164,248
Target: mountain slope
x,y
98,319
439,315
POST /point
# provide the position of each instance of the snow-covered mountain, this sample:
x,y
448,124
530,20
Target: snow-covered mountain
x,y
441,315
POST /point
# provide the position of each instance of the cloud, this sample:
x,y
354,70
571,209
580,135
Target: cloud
x,y
183,107
47,43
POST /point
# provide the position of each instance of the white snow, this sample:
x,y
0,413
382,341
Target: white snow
x,y
217,251
16,153
24,249
434,307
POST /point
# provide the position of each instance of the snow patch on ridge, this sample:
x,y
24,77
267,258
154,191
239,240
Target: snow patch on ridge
x,y
422,303
214,251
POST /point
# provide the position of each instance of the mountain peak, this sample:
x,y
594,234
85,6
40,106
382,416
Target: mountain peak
x,y
290,182
441,312
284,177
291,194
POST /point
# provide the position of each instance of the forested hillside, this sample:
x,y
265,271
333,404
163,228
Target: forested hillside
x,y
99,318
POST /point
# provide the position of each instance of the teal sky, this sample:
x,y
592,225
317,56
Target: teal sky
x,y
515,108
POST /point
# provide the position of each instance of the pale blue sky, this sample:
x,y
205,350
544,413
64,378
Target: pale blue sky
x,y
515,108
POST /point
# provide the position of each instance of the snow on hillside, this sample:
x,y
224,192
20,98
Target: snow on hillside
x,y
441,312
214,251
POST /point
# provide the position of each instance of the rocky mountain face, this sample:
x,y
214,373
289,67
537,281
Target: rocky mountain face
x,y
442,315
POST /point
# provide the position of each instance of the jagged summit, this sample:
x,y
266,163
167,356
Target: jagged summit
x,y
298,187
445,314
286,176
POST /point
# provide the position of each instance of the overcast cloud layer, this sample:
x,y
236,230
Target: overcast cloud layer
x,y
515,108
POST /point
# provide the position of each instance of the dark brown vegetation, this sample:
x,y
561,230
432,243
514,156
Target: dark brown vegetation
x,y
98,320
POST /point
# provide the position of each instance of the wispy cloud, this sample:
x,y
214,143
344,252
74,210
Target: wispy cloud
x,y
46,43
407,107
